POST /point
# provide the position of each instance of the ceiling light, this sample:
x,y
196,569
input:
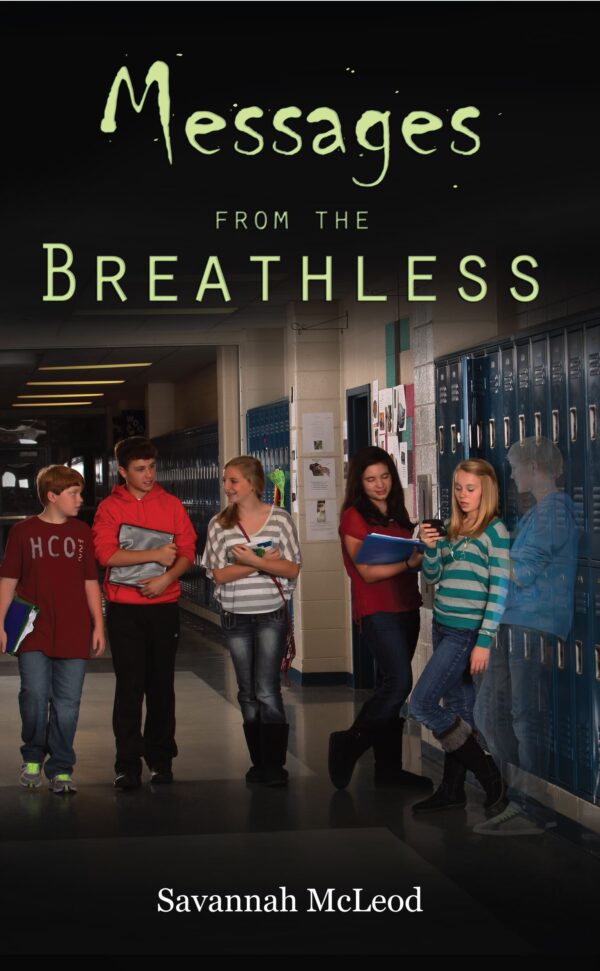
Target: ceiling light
x,y
70,383
91,367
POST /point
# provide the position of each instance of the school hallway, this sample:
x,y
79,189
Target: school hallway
x,y
84,873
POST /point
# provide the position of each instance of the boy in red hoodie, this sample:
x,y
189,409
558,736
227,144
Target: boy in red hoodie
x,y
143,621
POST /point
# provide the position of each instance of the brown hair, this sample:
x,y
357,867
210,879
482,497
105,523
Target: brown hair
x,y
251,470
133,448
488,507
355,494
56,478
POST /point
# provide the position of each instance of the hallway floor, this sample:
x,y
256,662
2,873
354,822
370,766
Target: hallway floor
x,y
83,874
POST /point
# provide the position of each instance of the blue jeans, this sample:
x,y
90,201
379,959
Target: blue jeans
x,y
257,643
446,676
49,702
513,704
391,639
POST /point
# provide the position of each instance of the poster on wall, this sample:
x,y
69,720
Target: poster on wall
x,y
178,179
317,432
319,478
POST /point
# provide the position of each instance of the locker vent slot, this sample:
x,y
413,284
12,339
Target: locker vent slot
x,y
596,509
594,364
555,426
524,379
539,374
575,368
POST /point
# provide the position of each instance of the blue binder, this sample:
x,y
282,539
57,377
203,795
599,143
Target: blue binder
x,y
18,623
378,548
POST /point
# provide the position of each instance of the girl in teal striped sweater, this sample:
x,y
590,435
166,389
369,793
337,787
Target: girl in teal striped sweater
x,y
470,566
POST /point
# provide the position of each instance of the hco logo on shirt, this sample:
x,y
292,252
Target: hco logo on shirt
x,y
54,547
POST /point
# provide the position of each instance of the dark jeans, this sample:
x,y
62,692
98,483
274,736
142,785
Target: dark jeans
x,y
49,704
143,644
391,639
257,643
446,676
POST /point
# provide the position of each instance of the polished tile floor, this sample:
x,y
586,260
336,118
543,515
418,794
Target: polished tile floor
x,y
82,875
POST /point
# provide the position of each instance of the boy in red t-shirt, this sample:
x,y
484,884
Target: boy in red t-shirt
x,y
49,561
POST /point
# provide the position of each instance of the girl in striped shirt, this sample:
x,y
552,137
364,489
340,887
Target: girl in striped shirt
x,y
470,567
253,555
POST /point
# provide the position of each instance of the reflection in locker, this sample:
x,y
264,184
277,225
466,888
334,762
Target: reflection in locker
x,y
544,386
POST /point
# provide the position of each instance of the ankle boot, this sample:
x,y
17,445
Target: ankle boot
x,y
485,770
387,748
450,794
345,749
273,747
255,774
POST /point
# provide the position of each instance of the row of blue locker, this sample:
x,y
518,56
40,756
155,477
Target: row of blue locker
x,y
543,386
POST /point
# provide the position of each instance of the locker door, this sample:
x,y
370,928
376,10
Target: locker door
x,y
558,433
522,391
540,397
509,432
476,396
594,670
592,338
564,687
576,424
492,415
585,748
443,437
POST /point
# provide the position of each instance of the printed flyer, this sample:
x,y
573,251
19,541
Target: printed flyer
x,y
243,206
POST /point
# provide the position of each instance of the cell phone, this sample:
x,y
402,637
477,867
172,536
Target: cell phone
x,y
437,524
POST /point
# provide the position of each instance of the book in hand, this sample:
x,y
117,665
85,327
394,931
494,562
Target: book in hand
x,y
378,548
18,623
139,538
259,549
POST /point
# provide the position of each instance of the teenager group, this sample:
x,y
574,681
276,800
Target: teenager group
x,y
253,556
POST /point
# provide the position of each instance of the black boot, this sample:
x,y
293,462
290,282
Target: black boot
x,y
450,794
485,770
273,748
255,774
387,748
345,749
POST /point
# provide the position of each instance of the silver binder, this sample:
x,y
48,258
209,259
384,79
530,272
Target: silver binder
x,y
139,538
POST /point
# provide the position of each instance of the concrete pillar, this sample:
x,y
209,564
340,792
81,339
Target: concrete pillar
x,y
160,408
228,394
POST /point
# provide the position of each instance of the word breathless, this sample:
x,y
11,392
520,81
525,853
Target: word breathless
x,y
372,131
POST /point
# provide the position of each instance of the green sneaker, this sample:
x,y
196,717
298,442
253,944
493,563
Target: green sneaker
x,y
62,784
31,775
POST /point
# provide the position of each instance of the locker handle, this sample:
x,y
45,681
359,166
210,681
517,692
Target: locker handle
x,y
492,432
560,654
507,433
593,423
453,439
441,442
470,437
526,646
578,657
555,426
537,426
479,429
597,656
573,421
543,651
521,429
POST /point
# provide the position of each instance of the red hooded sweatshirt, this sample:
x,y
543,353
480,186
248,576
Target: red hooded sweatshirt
x,y
156,510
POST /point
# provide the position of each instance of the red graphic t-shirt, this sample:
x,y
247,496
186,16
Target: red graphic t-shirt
x,y
397,595
52,562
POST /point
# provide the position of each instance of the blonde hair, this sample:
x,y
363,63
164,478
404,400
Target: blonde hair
x,y
488,507
251,470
